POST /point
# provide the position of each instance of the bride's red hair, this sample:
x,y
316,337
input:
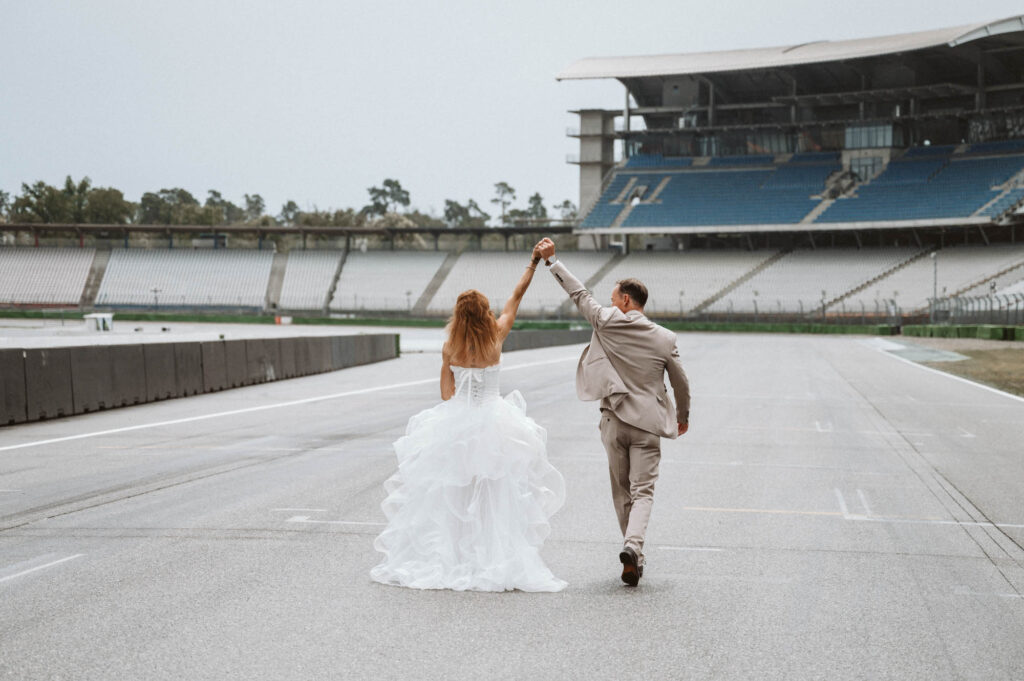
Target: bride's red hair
x,y
472,329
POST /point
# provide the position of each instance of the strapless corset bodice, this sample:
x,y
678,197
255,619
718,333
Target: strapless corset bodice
x,y
475,385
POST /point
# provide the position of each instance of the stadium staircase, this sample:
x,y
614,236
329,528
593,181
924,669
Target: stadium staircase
x,y
984,280
625,191
92,284
420,308
334,282
818,210
276,280
877,278
623,214
766,263
1006,201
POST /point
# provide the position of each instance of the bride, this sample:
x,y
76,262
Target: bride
x,y
468,508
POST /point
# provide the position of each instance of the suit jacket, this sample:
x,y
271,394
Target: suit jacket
x,y
625,364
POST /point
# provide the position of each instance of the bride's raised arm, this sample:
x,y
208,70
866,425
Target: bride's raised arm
x,y
508,314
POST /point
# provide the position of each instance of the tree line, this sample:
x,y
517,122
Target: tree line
x,y
388,206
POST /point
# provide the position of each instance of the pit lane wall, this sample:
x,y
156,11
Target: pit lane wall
x,y
45,383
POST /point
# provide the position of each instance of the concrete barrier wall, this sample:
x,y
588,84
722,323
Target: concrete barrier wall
x,y
161,383
48,391
38,384
529,340
13,408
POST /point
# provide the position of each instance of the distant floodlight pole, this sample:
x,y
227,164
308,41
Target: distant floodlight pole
x,y
680,304
156,300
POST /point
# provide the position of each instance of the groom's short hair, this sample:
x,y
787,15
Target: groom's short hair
x,y
635,289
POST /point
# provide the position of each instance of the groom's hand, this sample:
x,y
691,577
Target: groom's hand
x,y
683,427
547,248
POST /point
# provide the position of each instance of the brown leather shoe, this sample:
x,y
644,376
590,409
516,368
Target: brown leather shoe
x,y
631,570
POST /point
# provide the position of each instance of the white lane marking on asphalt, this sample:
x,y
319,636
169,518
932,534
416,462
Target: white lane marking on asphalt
x,y
937,521
864,503
264,407
40,567
827,428
690,548
10,490
307,519
843,508
842,503
309,510
846,515
954,377
964,432
962,592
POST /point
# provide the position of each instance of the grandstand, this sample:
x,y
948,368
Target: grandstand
x,y
178,278
43,276
378,281
962,269
805,279
840,165
903,131
308,278
804,181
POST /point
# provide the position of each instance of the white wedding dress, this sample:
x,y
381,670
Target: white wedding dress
x,y
468,508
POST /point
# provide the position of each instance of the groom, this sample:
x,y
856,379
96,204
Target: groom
x,y
624,366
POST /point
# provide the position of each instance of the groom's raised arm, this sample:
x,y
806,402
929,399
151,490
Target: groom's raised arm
x,y
591,310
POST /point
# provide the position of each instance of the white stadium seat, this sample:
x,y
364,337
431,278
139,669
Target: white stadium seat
x,y
44,276
185,278
385,280
307,279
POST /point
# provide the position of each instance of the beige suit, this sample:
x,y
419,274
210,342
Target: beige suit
x,y
624,367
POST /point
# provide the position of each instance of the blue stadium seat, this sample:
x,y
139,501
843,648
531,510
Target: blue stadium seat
x,y
1003,147
749,160
926,188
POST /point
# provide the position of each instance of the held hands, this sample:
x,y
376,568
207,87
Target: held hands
x,y
545,249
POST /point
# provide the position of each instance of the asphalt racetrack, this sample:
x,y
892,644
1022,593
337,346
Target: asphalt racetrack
x,y
835,512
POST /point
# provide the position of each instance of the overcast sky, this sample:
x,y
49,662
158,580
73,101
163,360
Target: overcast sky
x,y
315,101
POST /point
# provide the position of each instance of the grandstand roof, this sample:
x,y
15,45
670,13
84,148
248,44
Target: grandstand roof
x,y
790,55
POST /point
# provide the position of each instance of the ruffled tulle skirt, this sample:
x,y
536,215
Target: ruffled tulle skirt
x,y
468,508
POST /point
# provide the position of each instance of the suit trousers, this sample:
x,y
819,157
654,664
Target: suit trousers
x,y
633,459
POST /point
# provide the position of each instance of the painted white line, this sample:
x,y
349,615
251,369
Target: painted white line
x,y
842,504
827,428
954,377
937,521
248,410
690,548
843,508
964,432
864,503
10,490
41,567
307,519
310,510
960,592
